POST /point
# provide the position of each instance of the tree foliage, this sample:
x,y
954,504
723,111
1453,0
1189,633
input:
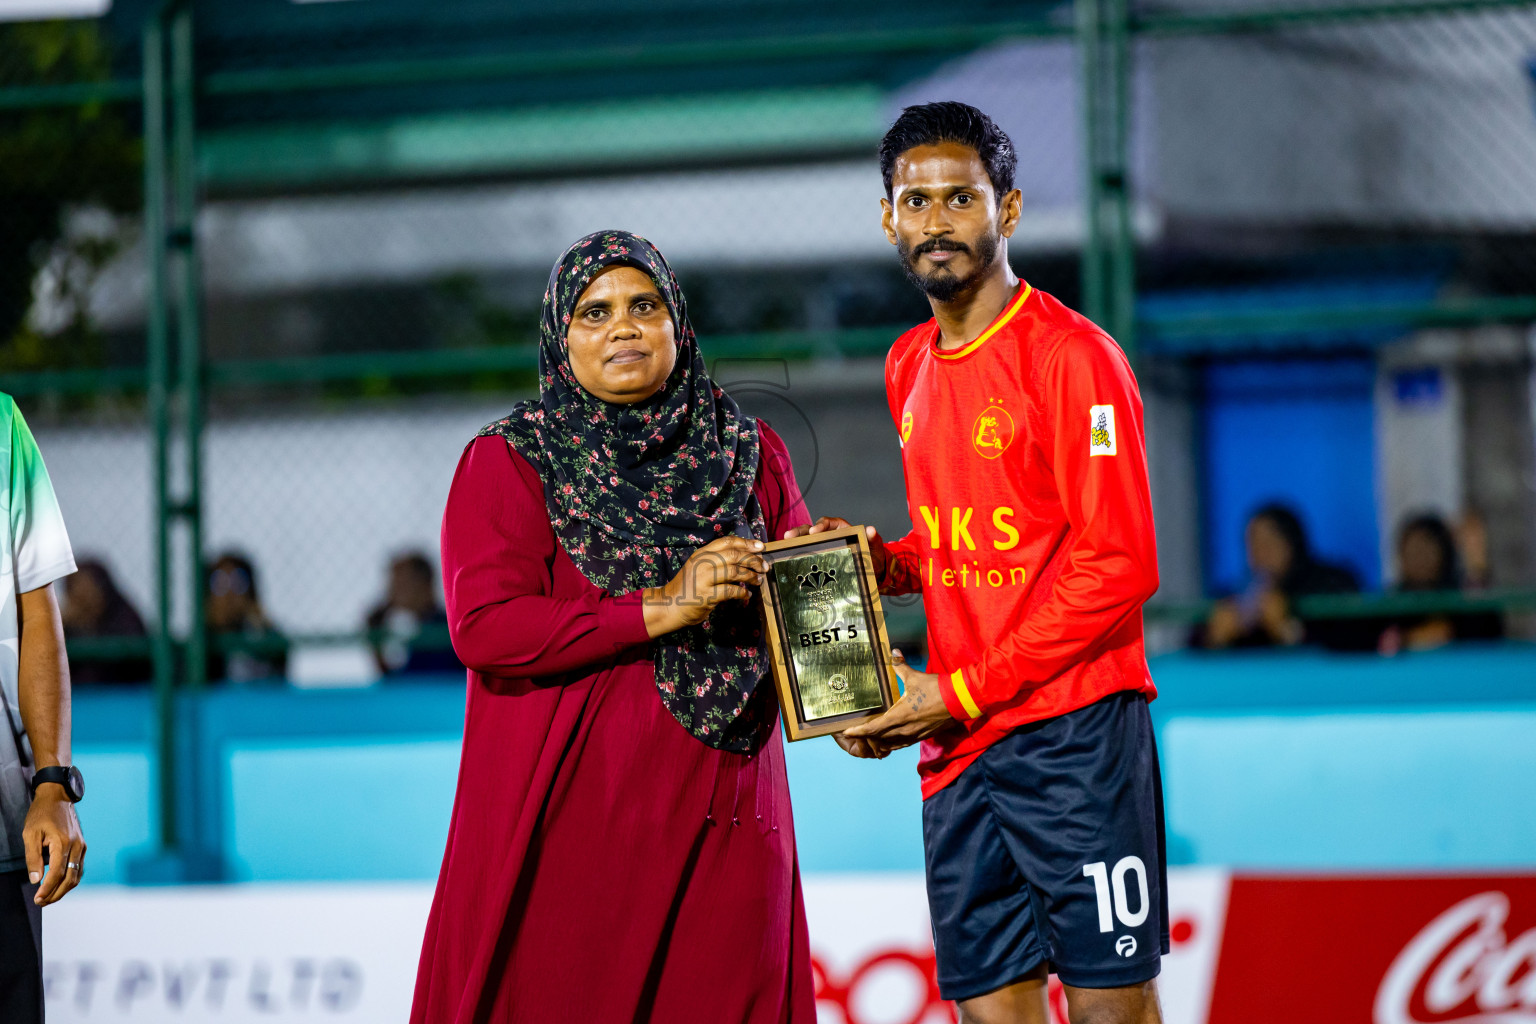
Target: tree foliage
x,y
55,160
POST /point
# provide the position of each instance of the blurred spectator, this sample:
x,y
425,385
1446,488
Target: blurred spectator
x,y
93,609
233,611
1472,541
1284,568
411,606
1427,561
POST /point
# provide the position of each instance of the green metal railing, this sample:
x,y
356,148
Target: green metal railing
x,y
437,363
904,622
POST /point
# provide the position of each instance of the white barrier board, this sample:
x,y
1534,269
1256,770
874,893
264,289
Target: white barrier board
x,y
342,952
347,952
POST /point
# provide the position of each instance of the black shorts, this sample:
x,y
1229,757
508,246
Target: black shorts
x,y
21,951
1049,848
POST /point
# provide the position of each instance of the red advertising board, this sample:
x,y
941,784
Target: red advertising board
x,y
1305,949
1378,950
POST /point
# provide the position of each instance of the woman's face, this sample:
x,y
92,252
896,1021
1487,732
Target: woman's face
x,y
229,598
1421,559
1269,553
621,337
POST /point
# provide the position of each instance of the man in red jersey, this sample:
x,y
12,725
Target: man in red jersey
x,y
1033,548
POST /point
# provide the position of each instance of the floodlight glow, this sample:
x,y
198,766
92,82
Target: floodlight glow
x,y
38,10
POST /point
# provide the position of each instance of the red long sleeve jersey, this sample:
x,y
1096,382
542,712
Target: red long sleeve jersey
x,y
1032,540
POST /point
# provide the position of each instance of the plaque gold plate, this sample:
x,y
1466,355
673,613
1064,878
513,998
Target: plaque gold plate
x,y
830,655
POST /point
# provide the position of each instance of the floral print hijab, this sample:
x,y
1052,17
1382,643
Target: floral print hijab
x,y
633,490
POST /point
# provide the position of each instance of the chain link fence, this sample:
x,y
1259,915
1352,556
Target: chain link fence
x,y
1399,148
374,250
1337,183
98,450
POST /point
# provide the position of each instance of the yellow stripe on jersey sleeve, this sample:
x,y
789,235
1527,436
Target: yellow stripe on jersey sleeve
x,y
957,680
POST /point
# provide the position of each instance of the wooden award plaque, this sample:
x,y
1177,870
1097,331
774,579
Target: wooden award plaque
x,y
830,655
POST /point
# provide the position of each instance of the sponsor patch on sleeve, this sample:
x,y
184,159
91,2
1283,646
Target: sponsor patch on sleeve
x,y
1101,437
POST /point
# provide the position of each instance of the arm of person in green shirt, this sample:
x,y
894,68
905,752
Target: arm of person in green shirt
x,y
51,823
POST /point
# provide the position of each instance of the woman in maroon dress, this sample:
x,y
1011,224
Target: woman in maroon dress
x,y
621,846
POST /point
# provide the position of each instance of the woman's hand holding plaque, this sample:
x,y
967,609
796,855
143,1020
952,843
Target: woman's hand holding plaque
x,y
723,570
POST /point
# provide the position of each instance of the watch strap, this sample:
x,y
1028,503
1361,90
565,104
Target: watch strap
x,y
60,774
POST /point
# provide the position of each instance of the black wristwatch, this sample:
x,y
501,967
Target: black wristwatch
x,y
69,777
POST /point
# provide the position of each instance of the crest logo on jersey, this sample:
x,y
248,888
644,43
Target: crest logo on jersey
x,y
906,427
993,432
1101,436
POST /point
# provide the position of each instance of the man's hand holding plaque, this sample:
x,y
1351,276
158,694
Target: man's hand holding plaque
x,y
917,715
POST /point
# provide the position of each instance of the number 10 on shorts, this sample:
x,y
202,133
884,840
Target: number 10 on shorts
x,y
1107,882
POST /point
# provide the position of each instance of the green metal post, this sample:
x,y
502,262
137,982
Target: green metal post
x,y
1108,267
1088,57
159,374
189,328
1117,184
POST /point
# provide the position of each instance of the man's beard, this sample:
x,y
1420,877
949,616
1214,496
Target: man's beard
x,y
944,284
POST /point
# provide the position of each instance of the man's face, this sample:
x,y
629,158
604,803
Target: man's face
x,y
944,218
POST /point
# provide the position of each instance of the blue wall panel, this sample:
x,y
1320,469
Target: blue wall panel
x,y
117,815
318,809
1302,432
1293,760
853,815
1394,790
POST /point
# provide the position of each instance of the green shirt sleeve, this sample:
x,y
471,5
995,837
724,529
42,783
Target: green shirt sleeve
x,y
40,550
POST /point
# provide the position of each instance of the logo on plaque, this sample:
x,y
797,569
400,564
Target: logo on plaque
x,y
817,578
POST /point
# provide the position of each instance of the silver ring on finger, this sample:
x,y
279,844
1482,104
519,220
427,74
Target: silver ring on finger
x,y
72,866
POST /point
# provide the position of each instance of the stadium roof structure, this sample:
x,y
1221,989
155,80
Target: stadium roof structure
x,y
314,94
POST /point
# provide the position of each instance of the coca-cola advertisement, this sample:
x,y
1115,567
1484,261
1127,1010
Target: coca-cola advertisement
x,y
1385,950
